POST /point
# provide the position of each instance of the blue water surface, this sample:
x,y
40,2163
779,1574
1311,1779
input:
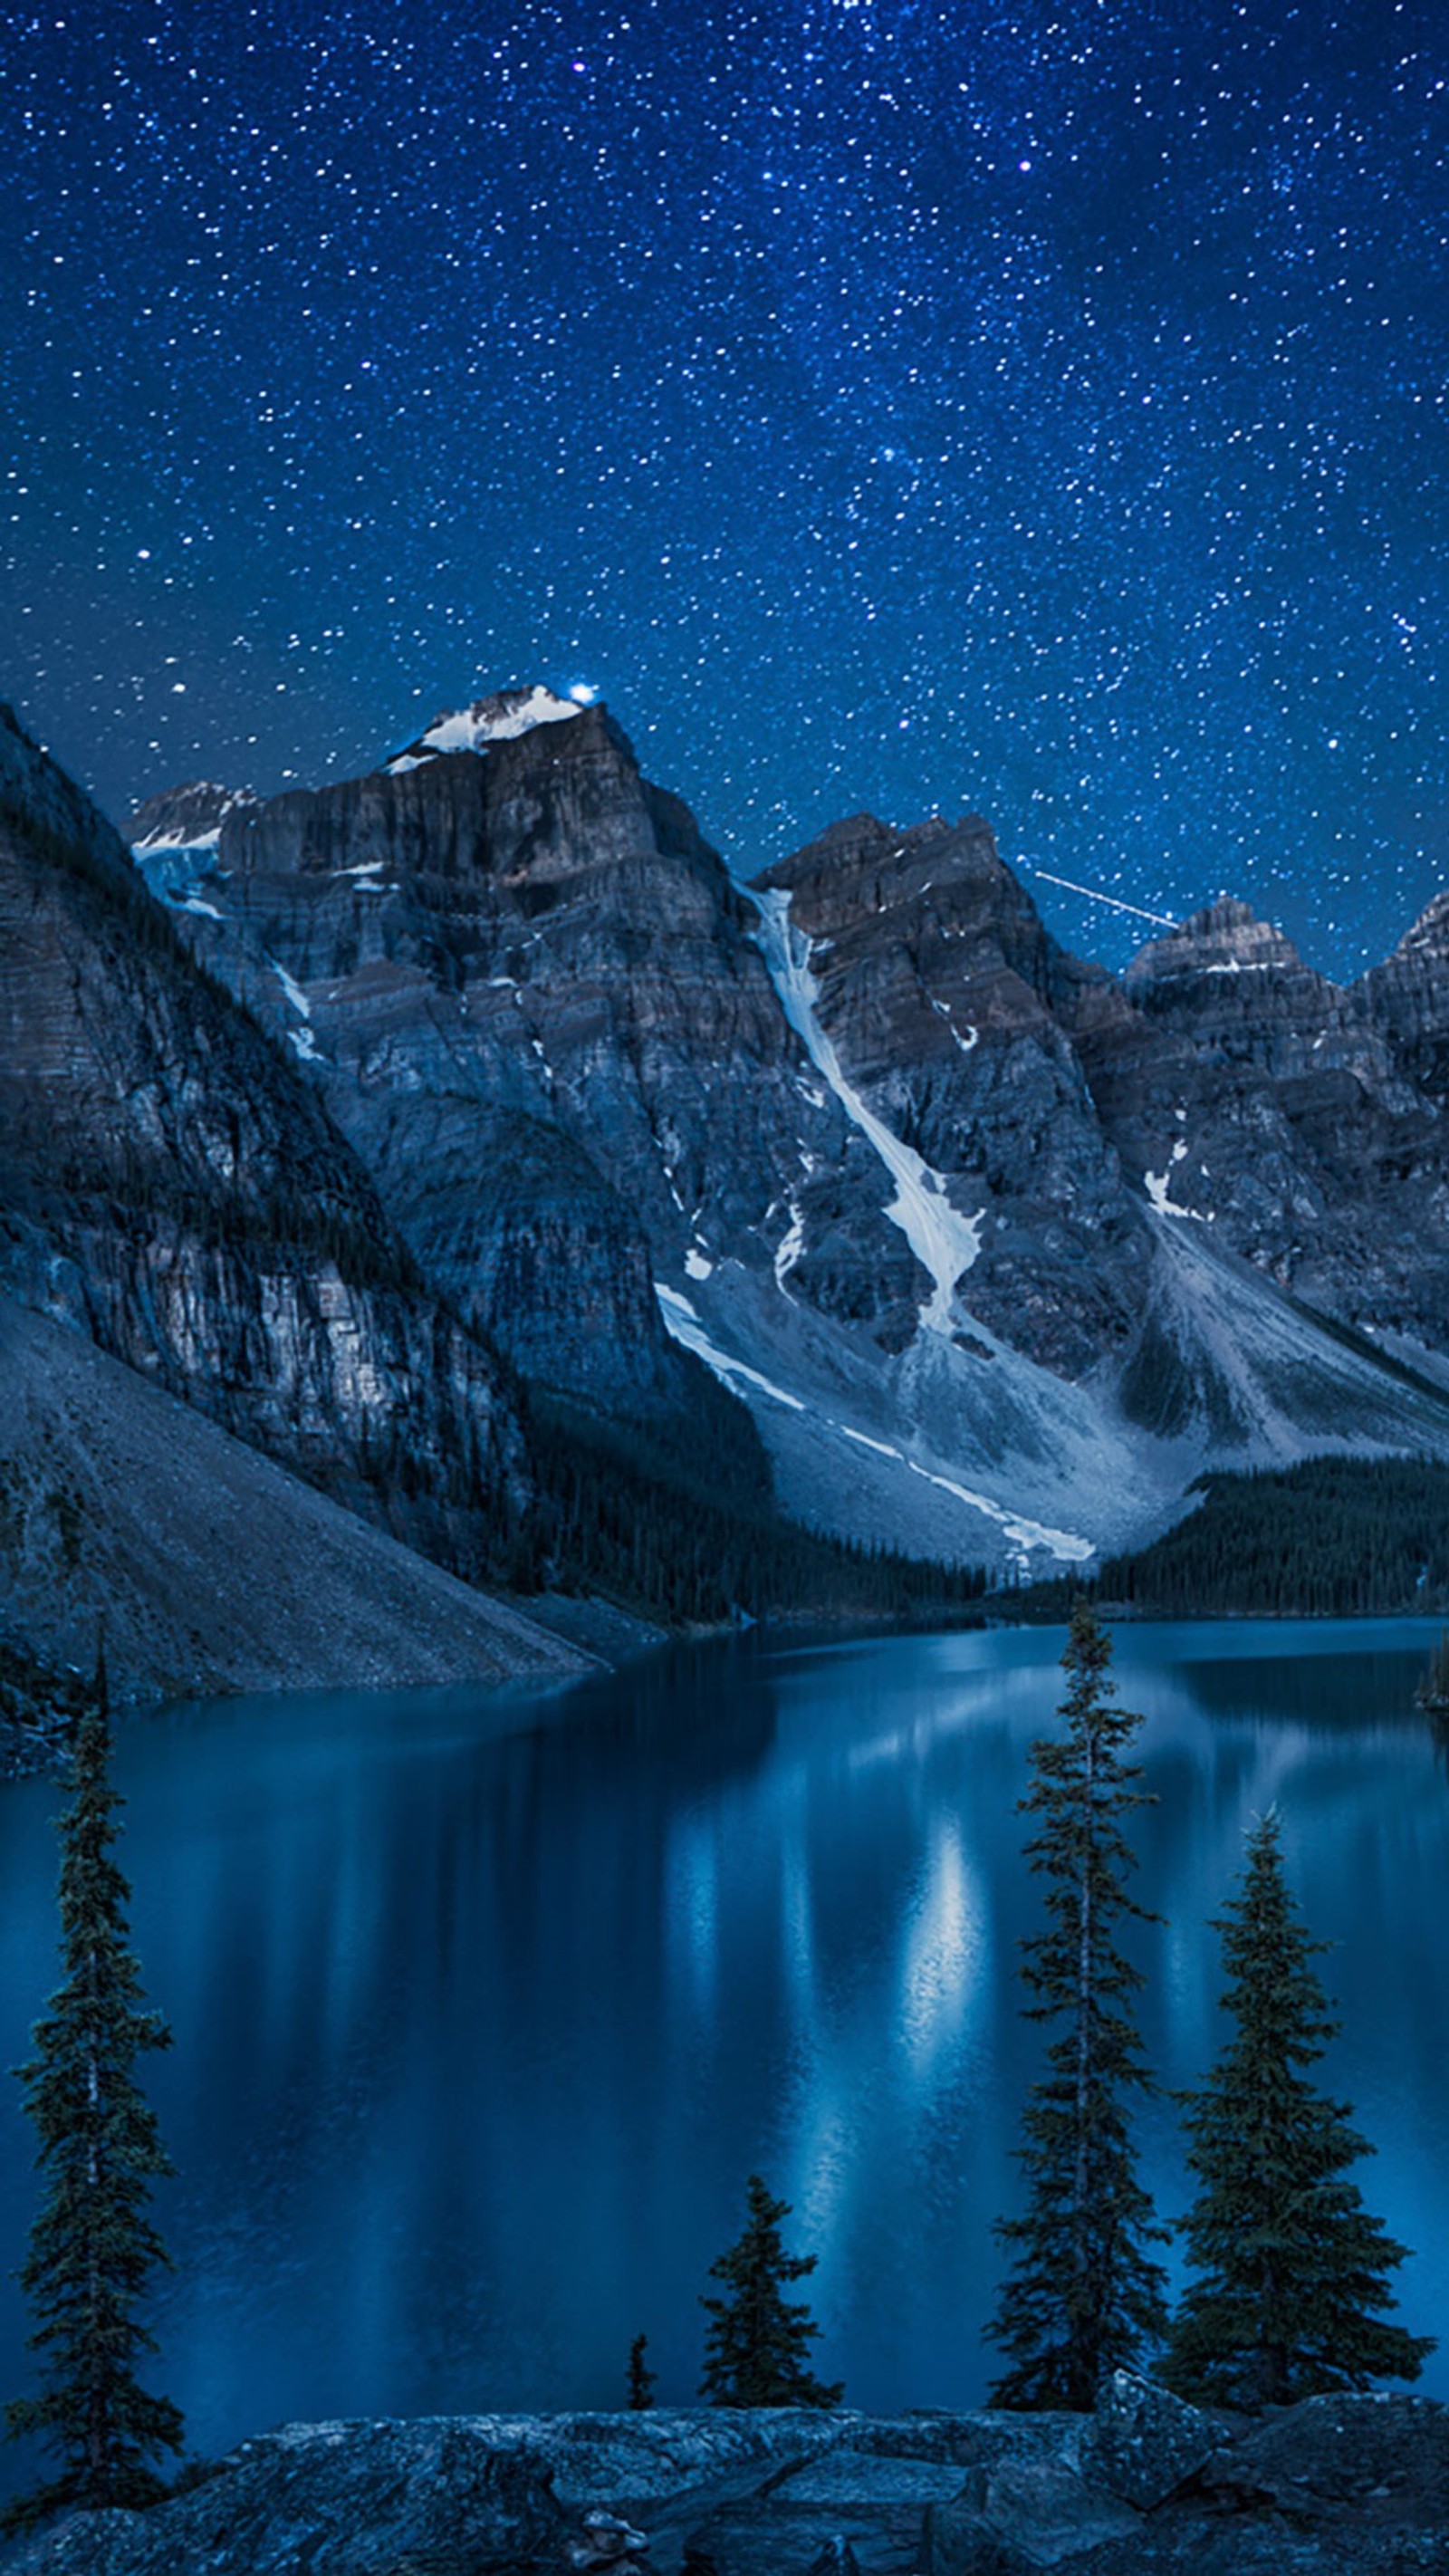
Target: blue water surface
x,y
485,2006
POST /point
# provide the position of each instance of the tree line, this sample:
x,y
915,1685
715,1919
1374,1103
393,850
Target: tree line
x,y
1290,2273
1328,1538
683,1526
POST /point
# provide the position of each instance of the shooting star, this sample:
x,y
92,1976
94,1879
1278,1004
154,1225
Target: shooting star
x,y
1165,919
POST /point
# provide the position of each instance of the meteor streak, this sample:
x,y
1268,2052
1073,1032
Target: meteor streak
x,y
1093,896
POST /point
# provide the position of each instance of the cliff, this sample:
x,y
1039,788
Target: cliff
x,y
172,1187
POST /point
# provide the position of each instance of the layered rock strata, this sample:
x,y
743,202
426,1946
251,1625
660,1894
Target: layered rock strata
x,y
170,1184
534,1000
999,1249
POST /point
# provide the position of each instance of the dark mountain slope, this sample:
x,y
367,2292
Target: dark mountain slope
x,y
171,1184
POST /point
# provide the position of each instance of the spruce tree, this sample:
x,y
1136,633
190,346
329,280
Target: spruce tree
x,y
92,2247
1084,2296
641,2377
1291,2266
756,2346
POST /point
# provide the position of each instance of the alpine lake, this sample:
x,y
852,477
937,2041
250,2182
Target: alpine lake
x,y
485,2006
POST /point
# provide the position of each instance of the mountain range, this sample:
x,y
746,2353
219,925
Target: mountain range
x,y
366,1121
862,1134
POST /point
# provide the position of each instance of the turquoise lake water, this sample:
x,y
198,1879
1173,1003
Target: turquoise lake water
x,y
486,2007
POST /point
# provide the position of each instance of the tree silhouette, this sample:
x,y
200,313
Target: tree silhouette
x,y
757,2343
1084,2296
92,2247
1291,2265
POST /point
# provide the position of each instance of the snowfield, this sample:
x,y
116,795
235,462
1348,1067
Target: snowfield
x,y
944,1242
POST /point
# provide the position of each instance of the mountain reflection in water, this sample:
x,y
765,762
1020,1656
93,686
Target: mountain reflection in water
x,y
485,2008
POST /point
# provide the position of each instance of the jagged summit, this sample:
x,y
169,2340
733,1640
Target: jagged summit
x,y
1224,938
1429,935
188,817
862,867
500,717
982,1233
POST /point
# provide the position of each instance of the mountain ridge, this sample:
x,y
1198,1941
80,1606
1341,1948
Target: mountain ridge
x,y
795,1107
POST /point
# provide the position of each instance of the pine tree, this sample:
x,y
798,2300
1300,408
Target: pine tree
x,y
641,2377
1084,2296
92,2247
1291,2265
756,2346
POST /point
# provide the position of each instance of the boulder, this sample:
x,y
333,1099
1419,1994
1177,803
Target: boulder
x,y
1020,2516
1143,2443
339,2499
1379,2455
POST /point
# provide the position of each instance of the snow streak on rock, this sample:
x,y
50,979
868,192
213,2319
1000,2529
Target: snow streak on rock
x,y
1064,1545
943,1241
1156,1185
682,1320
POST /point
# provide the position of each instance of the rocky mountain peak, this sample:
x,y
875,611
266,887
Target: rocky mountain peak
x,y
188,817
861,867
1428,937
500,717
1225,938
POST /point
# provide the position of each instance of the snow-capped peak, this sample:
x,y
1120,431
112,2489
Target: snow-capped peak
x,y
499,718
188,817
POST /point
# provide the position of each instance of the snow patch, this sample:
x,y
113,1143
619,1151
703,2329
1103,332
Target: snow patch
x,y
292,989
681,1321
1155,1183
943,1241
150,842
500,718
698,1264
943,1009
863,1440
790,1246
1064,1545
1025,1535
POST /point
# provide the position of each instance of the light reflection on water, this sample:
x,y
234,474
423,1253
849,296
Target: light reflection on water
x,y
484,2010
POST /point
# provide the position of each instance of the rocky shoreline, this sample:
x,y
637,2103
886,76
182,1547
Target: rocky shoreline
x,y
1336,2486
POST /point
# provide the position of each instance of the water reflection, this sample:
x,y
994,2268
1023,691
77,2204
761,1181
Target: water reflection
x,y
484,2011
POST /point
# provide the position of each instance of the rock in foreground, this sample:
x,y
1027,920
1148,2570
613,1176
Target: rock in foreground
x,y
1347,2486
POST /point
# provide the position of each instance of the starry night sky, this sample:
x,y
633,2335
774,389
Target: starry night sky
x,y
928,407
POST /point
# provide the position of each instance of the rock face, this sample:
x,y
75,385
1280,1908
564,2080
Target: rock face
x,y
1000,1250
170,1185
1329,2489
939,990
532,997
1291,1117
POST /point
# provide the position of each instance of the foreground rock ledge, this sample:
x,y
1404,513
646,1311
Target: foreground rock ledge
x,y
1340,2486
